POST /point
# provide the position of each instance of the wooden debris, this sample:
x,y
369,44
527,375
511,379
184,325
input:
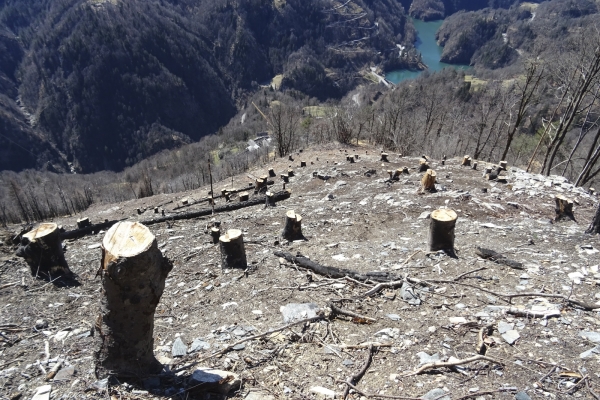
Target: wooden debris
x,y
360,319
441,364
357,377
498,258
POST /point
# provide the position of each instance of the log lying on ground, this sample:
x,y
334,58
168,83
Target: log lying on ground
x,y
133,273
441,230
498,258
42,250
233,253
428,181
78,233
293,226
333,272
564,208
225,193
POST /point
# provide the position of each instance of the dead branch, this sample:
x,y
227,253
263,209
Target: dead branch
x,y
484,331
365,345
533,314
440,364
380,286
498,258
468,273
477,394
357,377
361,319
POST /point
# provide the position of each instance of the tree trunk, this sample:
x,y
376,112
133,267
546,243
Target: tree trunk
x,y
233,254
133,273
594,227
428,181
441,230
564,208
293,226
42,250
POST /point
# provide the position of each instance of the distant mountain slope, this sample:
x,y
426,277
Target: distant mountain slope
x,y
108,83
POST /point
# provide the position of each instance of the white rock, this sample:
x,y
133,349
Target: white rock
x,y
324,393
457,320
511,336
42,393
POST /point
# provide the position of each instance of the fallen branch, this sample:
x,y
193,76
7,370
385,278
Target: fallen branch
x,y
8,285
440,364
533,314
333,272
498,258
258,336
468,273
365,345
477,394
361,319
484,331
380,286
357,377
249,187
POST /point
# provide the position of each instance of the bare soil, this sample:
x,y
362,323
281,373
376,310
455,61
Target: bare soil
x,y
350,221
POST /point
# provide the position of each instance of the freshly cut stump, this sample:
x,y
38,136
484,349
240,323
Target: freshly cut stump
x,y
302,164
486,171
351,159
260,184
428,181
133,272
215,233
269,201
503,165
466,161
290,172
42,250
233,254
293,226
384,157
441,230
564,208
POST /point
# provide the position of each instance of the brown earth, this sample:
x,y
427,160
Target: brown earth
x,y
367,224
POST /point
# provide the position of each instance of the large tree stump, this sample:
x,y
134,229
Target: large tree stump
x,y
428,181
42,250
293,226
564,208
423,166
133,272
233,254
441,230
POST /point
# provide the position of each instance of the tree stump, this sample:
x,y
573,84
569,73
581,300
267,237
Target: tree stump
x,y
486,171
290,172
259,185
474,165
384,157
215,233
466,161
503,165
285,178
428,181
594,227
441,230
133,272
155,210
83,222
42,250
291,158
293,226
272,173
423,166
351,159
491,176
356,156
269,201
302,164
233,254
564,208
244,196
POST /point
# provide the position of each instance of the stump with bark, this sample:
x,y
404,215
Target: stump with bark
x,y
233,253
423,166
428,181
384,157
272,173
244,196
564,208
486,171
290,172
285,178
269,200
302,164
441,230
466,161
503,165
350,159
83,222
260,184
215,234
290,158
293,226
42,250
474,166
133,272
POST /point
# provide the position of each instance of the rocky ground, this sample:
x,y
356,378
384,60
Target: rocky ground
x,y
448,309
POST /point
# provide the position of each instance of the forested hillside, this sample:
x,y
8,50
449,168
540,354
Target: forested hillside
x,y
104,84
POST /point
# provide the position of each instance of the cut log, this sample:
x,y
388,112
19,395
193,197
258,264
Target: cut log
x,y
83,222
564,208
302,164
441,230
384,157
285,178
428,181
42,250
133,272
423,166
466,161
244,196
293,226
233,254
215,233
272,173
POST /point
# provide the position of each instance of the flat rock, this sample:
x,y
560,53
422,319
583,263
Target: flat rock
x,y
436,394
322,393
593,337
522,396
42,393
258,396
590,353
297,311
504,327
393,317
179,348
197,345
64,374
511,336
206,379
425,358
